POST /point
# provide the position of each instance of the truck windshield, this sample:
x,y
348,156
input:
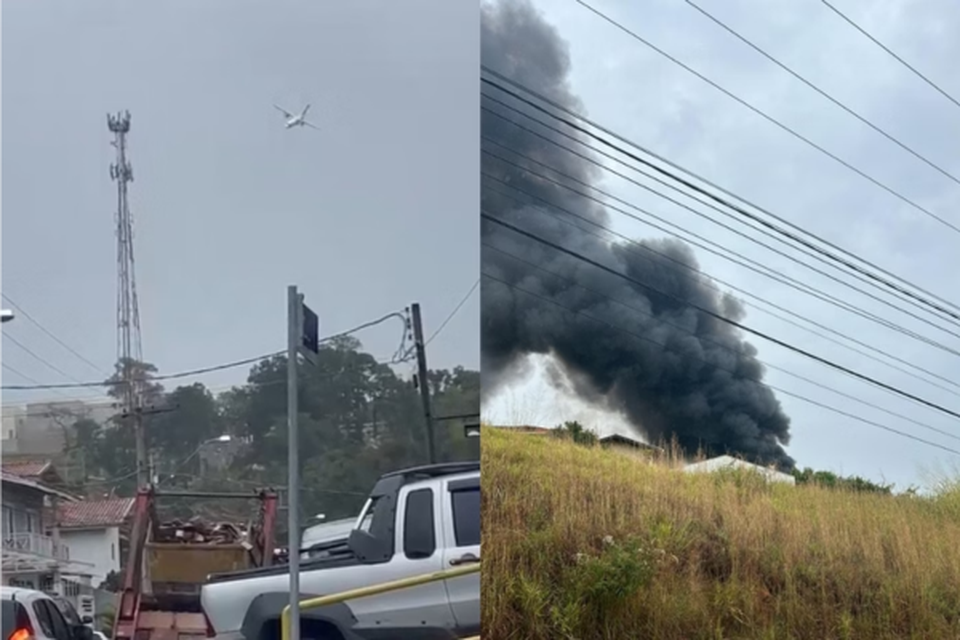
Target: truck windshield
x,y
68,611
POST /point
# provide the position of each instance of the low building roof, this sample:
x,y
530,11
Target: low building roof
x,y
92,514
27,468
729,462
30,483
616,438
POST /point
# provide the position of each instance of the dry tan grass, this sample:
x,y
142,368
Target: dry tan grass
x,y
584,543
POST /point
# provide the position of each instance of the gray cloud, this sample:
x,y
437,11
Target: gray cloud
x,y
629,88
693,378
376,210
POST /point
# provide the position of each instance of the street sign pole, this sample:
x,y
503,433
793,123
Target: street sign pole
x,y
303,336
294,338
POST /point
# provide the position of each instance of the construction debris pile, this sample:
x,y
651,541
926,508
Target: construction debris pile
x,y
197,531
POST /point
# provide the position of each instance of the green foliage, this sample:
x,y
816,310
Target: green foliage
x,y
105,621
358,419
609,578
576,432
834,481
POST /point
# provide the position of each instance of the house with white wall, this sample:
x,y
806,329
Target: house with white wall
x,y
721,463
94,530
33,554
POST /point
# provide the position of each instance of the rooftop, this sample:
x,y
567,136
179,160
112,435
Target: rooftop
x,y
32,483
95,513
617,438
27,468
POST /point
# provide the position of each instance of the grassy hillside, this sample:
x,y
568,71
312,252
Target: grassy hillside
x,y
584,543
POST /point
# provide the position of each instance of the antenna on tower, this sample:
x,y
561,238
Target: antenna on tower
x,y
129,349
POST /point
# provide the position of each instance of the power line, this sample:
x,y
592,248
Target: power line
x,y
42,360
182,374
453,313
219,389
15,371
723,346
857,274
195,372
28,378
770,386
106,399
823,93
953,311
269,383
778,277
916,71
779,252
721,318
746,262
51,335
693,272
771,119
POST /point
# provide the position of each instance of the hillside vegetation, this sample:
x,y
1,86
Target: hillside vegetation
x,y
585,543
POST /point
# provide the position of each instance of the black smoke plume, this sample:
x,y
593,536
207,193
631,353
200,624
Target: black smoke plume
x,y
690,376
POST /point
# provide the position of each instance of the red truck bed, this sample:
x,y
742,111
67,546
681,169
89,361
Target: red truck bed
x,y
160,599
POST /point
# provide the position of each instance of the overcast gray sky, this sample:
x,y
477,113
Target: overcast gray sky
x,y
633,90
373,212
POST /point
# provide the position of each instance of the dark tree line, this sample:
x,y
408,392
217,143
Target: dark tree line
x,y
358,419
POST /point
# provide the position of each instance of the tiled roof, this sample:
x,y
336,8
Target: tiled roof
x,y
95,513
26,468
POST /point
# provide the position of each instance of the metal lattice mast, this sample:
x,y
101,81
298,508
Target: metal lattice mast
x,y
129,349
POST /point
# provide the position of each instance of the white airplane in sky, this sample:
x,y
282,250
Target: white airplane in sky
x,y
296,120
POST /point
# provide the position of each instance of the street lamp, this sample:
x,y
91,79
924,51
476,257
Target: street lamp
x,y
224,438
221,438
6,315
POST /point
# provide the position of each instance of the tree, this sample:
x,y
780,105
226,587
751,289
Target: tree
x,y
82,441
834,481
358,419
576,432
122,445
455,393
192,418
141,374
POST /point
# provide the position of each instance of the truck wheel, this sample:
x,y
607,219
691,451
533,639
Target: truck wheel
x,y
309,630
317,630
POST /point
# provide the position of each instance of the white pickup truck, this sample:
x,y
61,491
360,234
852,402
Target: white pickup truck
x,y
415,521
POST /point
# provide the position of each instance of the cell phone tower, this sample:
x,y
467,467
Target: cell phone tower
x,y
129,349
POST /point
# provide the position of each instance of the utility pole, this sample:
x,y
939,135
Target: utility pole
x,y
152,469
129,349
422,381
145,466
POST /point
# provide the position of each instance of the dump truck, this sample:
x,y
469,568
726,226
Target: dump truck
x,y
168,562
